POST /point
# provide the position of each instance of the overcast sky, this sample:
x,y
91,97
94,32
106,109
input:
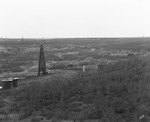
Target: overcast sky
x,y
74,18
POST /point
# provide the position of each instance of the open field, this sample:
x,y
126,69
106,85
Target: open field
x,y
18,55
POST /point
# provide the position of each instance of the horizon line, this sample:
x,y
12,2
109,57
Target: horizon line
x,y
43,38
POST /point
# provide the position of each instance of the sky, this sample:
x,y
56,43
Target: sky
x,y
74,18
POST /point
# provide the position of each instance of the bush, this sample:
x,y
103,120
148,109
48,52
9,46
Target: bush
x,y
116,93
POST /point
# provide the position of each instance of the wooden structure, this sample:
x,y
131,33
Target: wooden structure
x,y
15,82
9,83
42,64
6,85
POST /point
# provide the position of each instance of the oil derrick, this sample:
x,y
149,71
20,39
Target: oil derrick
x,y
42,65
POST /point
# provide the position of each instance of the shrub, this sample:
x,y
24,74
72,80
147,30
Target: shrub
x,y
116,93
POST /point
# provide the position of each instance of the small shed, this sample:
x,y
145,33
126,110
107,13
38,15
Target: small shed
x,y
9,83
15,82
6,84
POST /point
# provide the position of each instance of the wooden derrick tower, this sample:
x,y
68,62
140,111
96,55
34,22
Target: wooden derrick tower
x,y
42,64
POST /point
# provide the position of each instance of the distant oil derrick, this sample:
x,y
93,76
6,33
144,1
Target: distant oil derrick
x,y
42,64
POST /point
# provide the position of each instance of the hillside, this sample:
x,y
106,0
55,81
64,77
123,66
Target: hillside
x,y
114,88
104,94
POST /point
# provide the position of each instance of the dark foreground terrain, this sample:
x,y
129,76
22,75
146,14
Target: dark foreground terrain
x,y
114,88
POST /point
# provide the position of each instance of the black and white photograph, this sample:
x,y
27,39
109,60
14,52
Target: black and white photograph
x,y
74,61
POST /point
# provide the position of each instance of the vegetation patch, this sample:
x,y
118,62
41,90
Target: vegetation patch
x,y
116,92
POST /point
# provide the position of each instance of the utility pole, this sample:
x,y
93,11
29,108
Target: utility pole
x,y
42,64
